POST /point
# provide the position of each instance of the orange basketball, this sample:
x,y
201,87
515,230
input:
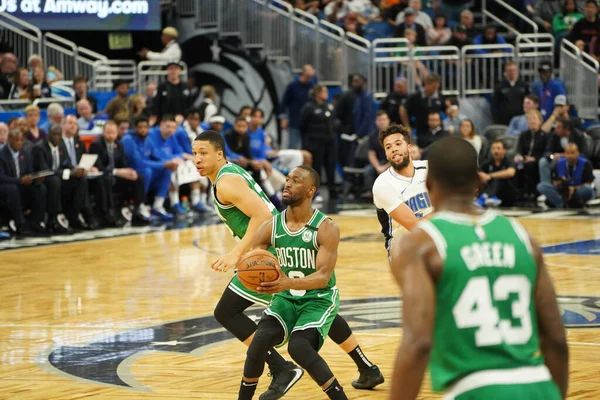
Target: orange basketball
x,y
257,266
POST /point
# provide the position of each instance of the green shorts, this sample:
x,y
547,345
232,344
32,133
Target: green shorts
x,y
316,309
259,298
530,391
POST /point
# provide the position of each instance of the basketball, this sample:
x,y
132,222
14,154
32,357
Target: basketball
x,y
257,266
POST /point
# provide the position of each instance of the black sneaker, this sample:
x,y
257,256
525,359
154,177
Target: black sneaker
x,y
284,378
369,378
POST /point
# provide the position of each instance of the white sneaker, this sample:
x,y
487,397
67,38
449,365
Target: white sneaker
x,y
541,199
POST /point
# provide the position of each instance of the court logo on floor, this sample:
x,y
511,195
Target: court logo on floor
x,y
108,360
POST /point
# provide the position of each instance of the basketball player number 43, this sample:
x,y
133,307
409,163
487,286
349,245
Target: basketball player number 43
x,y
475,309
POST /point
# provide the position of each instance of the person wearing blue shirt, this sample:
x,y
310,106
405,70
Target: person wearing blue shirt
x,y
157,174
547,89
296,95
490,36
518,123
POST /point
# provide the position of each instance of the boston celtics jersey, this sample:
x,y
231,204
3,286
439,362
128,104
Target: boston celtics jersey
x,y
297,251
485,312
234,219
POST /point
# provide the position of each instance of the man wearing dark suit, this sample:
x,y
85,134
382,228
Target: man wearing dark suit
x,y
67,187
117,176
17,186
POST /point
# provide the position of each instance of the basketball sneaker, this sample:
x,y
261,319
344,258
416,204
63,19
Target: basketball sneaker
x,y
369,378
284,377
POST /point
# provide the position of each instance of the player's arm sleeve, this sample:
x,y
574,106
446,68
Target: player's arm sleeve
x,y
262,239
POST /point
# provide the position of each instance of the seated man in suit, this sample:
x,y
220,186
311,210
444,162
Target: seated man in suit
x,y
118,177
18,188
67,187
156,174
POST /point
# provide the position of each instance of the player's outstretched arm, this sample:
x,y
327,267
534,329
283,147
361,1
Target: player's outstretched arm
x,y
553,341
404,216
328,238
233,189
418,296
262,239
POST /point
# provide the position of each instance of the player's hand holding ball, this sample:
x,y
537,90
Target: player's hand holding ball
x,y
282,283
259,270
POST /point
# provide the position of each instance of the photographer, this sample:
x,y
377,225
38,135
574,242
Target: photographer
x,y
574,181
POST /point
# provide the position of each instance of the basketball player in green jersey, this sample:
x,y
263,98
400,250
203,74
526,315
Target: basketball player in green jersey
x,y
478,301
243,207
306,299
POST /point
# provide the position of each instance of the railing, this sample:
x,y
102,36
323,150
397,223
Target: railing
x,y
277,30
85,61
489,14
579,72
108,71
483,66
305,43
251,13
391,58
358,55
331,62
206,14
61,53
230,23
531,49
25,38
444,61
148,71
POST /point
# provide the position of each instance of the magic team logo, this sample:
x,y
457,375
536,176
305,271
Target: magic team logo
x,y
108,360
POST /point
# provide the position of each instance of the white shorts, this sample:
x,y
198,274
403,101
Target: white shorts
x,y
288,159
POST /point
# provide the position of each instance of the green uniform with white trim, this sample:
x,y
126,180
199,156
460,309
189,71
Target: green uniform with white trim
x,y
486,343
237,223
298,310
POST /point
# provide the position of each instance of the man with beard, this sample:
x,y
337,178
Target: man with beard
x,y
399,193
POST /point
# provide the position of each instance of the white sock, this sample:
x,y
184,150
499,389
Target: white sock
x,y
174,198
204,197
159,204
195,196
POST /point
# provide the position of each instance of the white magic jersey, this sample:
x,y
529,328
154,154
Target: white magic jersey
x,y
392,189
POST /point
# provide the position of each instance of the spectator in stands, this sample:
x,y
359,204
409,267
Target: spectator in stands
x,y
8,67
318,134
547,88
23,126
563,22
415,152
53,74
118,177
150,94
170,53
337,10
238,142
66,189
296,95
122,126
555,147
468,21
34,134
408,23
530,150
574,183
3,135
20,89
118,105
588,27
497,175
490,36
208,107
467,131
86,117
191,125
378,162
155,173
459,37
420,17
172,96
364,109
419,105
519,124
453,8
392,103
310,6
434,133
80,84
17,186
40,89
137,107
544,11
453,116
440,33
561,110
391,11
509,95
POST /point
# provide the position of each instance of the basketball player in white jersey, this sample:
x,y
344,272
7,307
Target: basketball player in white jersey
x,y
399,193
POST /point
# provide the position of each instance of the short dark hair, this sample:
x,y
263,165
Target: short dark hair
x,y
257,109
533,98
432,112
453,101
79,78
456,170
432,78
394,129
168,118
381,112
240,119
568,125
140,119
55,127
509,63
213,138
498,141
244,108
193,110
11,120
314,176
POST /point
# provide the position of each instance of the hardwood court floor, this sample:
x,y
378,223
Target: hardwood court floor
x,y
100,310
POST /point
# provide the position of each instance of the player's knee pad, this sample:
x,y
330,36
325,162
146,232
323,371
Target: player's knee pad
x,y
229,306
340,330
303,347
268,334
